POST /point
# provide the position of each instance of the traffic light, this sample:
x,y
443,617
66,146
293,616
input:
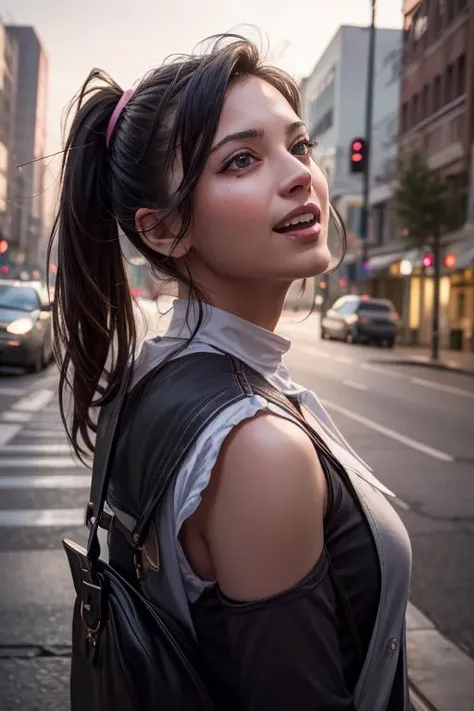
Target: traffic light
x,y
450,261
428,261
358,155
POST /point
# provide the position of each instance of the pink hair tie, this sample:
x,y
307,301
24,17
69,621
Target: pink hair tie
x,y
123,101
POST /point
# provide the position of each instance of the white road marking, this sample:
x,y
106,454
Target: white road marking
x,y
16,416
42,517
35,402
382,371
42,433
18,392
392,434
443,388
39,463
45,481
7,432
37,449
344,359
353,384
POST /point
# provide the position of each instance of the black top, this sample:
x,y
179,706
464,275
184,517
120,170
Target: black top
x,y
325,621
301,649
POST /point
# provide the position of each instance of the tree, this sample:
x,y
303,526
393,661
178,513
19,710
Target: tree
x,y
423,211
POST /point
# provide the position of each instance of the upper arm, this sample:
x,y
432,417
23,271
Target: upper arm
x,y
263,511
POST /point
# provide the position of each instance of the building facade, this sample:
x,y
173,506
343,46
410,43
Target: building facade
x,y
334,107
8,85
29,145
437,118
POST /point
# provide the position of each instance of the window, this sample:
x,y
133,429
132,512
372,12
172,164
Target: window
x,y
449,84
450,10
346,307
424,102
19,297
324,124
414,110
437,93
405,117
461,75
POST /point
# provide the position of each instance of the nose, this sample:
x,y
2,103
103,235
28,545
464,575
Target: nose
x,y
296,176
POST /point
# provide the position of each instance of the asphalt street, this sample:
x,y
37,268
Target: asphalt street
x,y
414,426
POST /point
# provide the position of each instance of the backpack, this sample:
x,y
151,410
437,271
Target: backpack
x,y
127,654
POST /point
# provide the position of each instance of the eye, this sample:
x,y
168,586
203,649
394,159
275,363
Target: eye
x,y
304,147
241,161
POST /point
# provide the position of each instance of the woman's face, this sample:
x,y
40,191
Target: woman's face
x,y
260,177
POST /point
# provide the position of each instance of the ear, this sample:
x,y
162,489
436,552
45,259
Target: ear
x,y
160,235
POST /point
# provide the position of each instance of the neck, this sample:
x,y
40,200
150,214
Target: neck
x,y
261,304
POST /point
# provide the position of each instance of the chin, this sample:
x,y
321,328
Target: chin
x,y
313,264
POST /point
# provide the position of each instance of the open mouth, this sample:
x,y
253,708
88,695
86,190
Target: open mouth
x,y
302,222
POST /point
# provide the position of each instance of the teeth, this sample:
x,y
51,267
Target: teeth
x,y
307,217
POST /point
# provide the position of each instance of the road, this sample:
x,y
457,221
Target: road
x,y
413,425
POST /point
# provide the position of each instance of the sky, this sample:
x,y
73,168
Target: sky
x,y
128,37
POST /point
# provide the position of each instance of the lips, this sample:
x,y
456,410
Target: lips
x,y
299,219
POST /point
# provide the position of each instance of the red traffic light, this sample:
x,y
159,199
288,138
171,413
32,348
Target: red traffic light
x,y
450,261
358,155
428,260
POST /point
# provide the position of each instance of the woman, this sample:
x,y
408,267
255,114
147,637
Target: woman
x,y
292,573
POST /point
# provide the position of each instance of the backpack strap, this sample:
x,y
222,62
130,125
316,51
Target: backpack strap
x,y
195,388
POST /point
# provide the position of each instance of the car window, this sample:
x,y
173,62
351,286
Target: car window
x,y
375,307
348,307
23,298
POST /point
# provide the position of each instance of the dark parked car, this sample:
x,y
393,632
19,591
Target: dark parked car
x,y
361,319
25,325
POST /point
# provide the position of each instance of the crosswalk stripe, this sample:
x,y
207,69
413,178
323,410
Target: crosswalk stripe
x,y
35,402
45,481
39,463
52,434
16,416
42,517
36,449
7,432
13,392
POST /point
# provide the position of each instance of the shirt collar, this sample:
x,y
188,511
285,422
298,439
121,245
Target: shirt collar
x,y
259,348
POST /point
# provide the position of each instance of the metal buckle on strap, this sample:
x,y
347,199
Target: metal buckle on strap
x,y
106,519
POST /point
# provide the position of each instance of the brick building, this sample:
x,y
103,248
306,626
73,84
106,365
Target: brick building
x,y
437,118
437,86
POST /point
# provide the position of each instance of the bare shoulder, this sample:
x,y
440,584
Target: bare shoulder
x,y
263,511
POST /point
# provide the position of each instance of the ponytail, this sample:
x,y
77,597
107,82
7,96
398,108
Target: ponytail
x,y
93,317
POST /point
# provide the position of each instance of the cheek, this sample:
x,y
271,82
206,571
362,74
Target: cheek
x,y
227,211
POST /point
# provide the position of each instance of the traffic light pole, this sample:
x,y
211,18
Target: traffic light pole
x,y
368,135
436,285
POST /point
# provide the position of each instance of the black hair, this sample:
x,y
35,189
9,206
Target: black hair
x,y
175,108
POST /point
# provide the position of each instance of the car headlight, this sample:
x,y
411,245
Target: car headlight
x,y
20,326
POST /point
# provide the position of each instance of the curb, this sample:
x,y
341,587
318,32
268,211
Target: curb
x,y
418,703
440,673
420,362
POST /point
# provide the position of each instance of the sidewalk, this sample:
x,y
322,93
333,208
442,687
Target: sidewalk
x,y
456,361
441,675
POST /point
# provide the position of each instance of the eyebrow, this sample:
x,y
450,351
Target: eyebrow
x,y
250,133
